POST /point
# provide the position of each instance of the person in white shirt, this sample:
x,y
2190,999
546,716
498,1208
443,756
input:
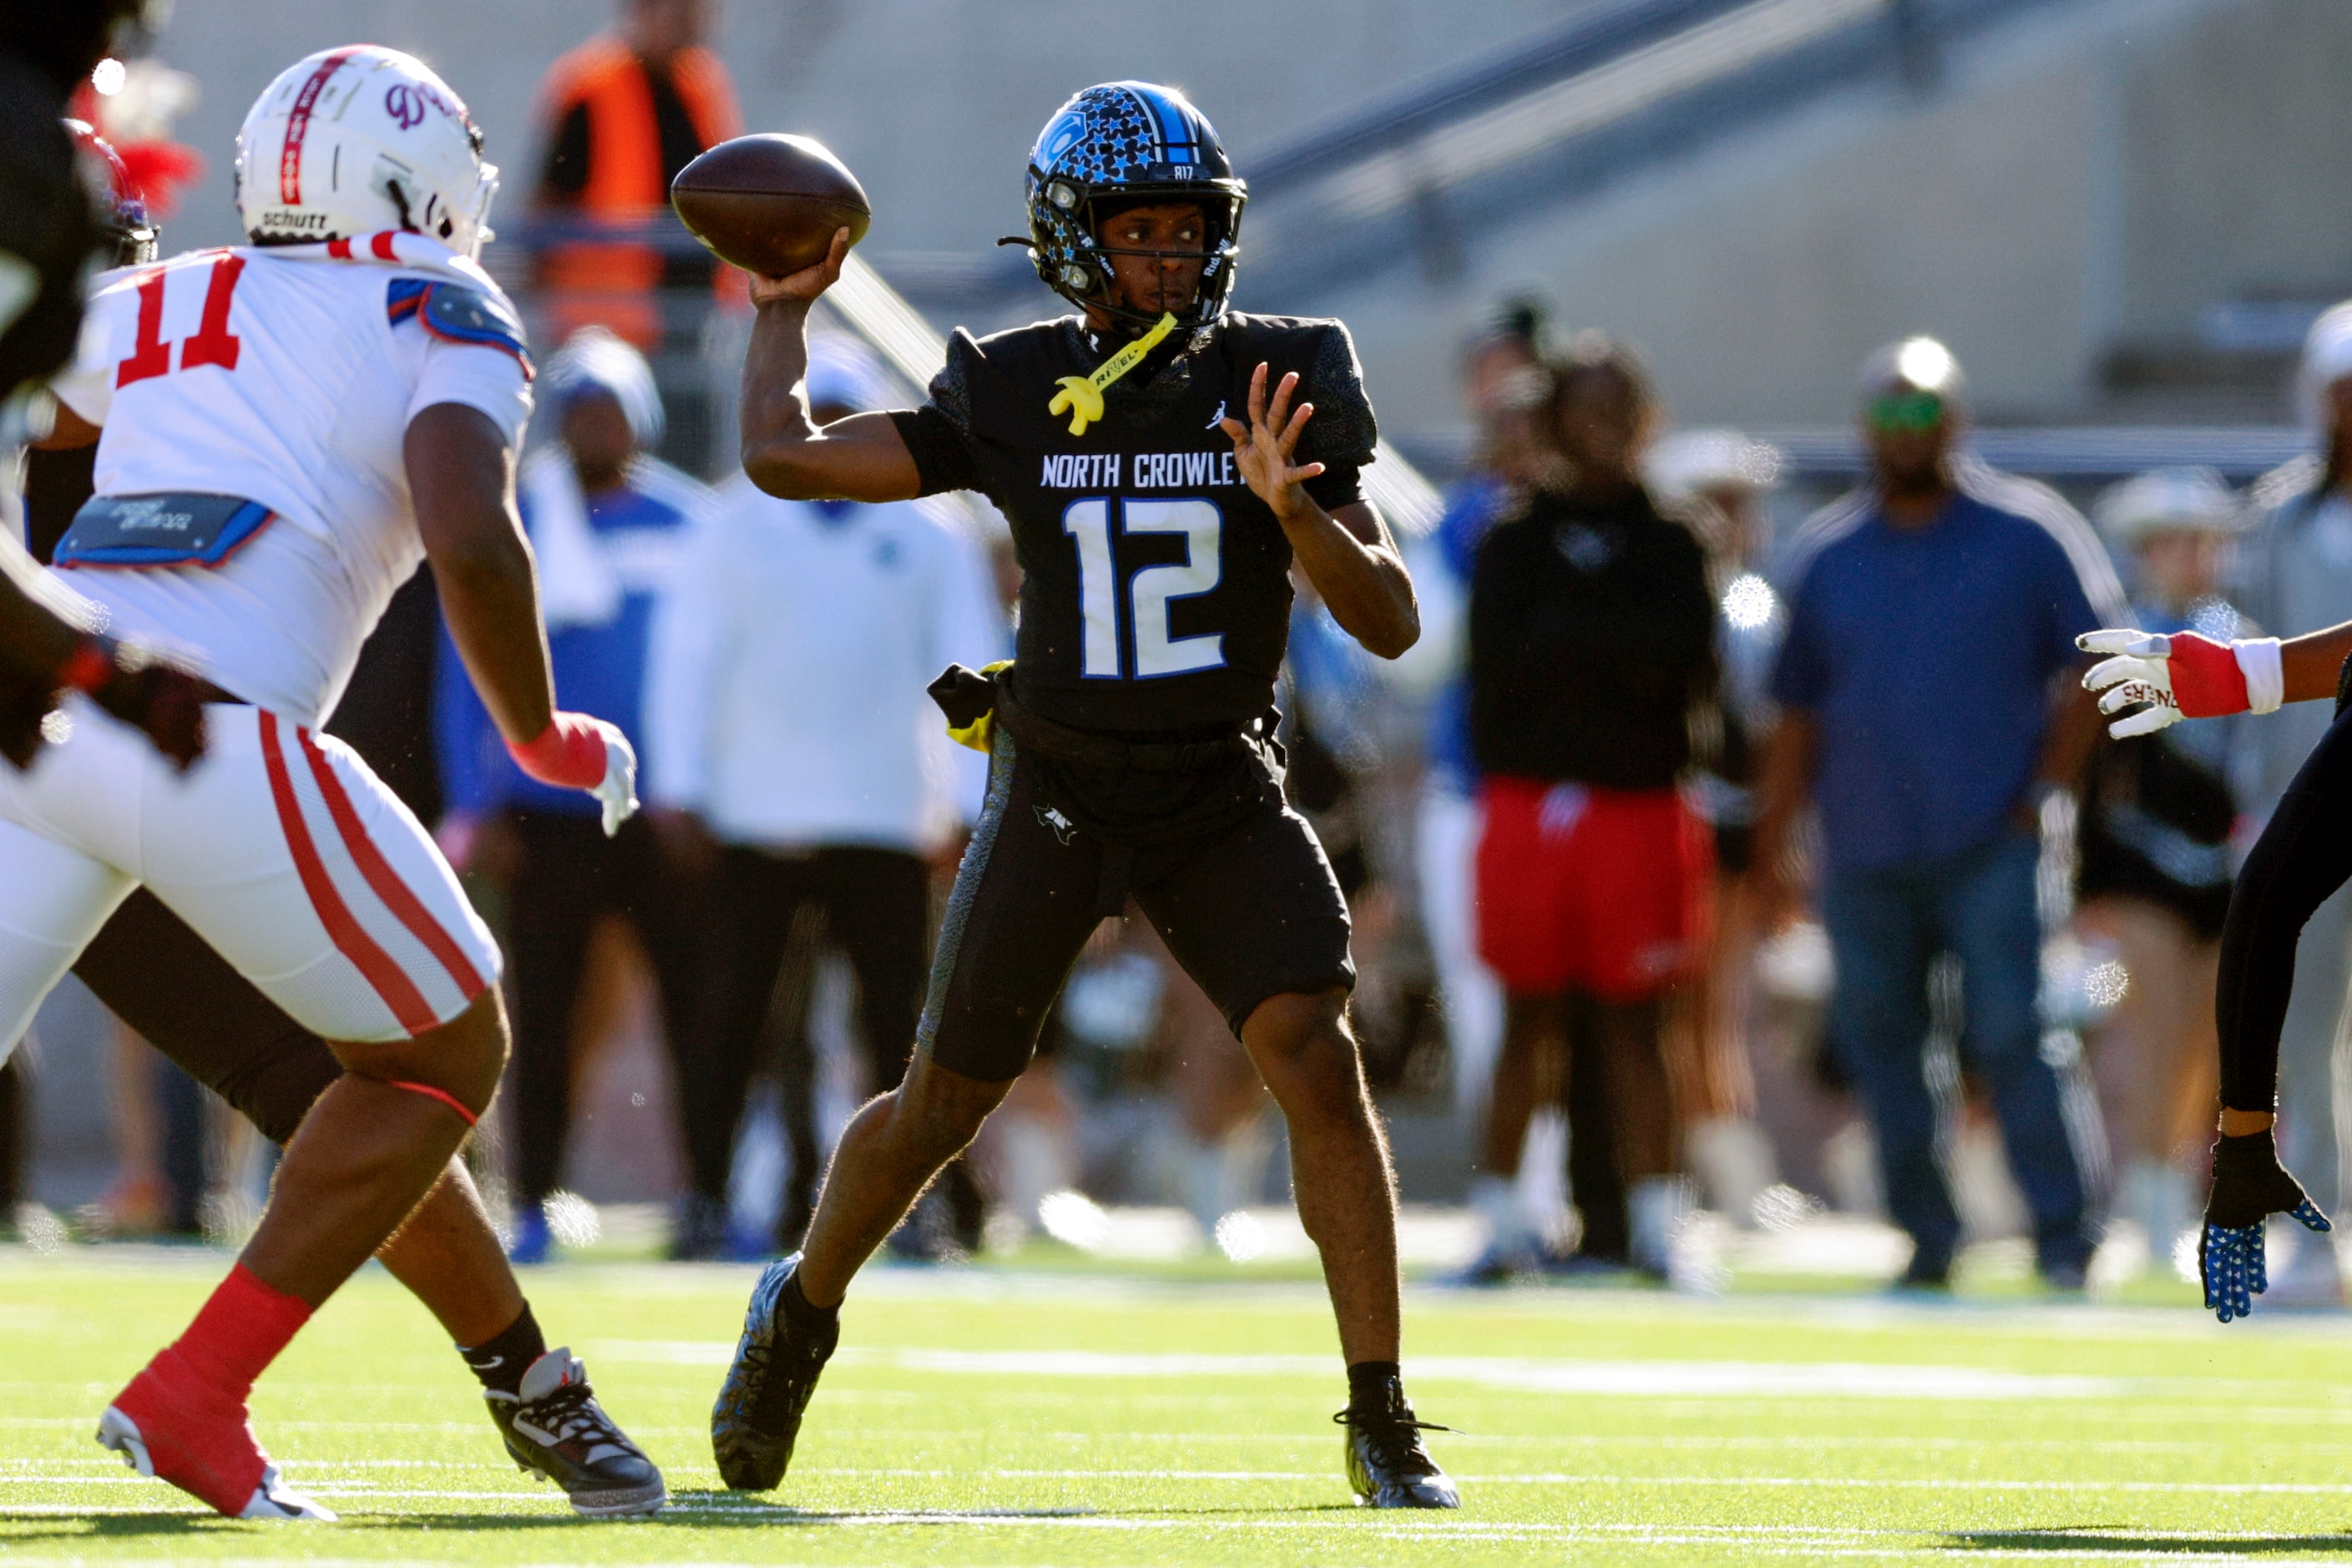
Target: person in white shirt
x,y
788,725
285,430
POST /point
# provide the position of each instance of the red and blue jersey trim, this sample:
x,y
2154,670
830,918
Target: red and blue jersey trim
x,y
457,314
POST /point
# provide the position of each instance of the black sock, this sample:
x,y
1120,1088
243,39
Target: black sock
x,y
500,1363
1368,1382
800,1310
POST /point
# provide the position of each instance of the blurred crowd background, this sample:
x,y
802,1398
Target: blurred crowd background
x,y
1810,369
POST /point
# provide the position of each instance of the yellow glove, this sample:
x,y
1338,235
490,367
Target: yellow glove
x,y
979,734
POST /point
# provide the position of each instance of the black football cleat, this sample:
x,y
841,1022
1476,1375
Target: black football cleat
x,y
555,1427
758,1416
1387,1466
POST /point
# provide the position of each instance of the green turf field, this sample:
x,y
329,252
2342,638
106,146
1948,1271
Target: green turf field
x,y
1005,1417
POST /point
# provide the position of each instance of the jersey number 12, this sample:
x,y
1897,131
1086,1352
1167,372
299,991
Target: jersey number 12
x,y
1151,591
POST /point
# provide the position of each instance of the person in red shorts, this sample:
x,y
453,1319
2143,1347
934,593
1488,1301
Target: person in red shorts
x,y
1591,659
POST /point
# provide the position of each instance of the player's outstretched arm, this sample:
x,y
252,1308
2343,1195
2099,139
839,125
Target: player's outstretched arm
x,y
1346,555
461,477
2185,675
785,453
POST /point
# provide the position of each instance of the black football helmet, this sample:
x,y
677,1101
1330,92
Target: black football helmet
x,y
1130,142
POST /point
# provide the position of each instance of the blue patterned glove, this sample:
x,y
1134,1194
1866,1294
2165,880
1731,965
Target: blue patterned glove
x,y
2249,1186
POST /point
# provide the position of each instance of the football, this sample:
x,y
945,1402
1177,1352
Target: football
x,y
769,204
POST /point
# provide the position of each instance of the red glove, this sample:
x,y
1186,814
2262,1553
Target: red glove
x,y
2207,679
577,751
2180,676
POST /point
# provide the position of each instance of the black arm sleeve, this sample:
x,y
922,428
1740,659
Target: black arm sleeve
x,y
565,175
1344,430
2302,858
939,434
1339,485
941,458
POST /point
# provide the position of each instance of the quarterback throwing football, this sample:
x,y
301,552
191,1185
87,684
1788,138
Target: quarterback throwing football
x,y
1164,462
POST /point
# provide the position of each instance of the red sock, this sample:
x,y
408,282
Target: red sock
x,y
239,1331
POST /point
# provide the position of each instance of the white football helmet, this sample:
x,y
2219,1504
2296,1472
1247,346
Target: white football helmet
x,y
355,140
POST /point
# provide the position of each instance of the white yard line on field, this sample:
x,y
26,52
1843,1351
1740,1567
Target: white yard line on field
x,y
321,1478
1680,1379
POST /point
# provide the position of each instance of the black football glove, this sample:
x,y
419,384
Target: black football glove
x,y
2249,1186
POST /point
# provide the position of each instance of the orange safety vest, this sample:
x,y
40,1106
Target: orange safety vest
x,y
610,283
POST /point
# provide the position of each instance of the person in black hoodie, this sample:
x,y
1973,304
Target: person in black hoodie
x,y
1591,661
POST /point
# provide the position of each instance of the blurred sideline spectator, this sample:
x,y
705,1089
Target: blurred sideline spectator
x,y
792,742
2156,862
1591,645
606,522
1928,702
2297,565
1505,388
623,113
1721,478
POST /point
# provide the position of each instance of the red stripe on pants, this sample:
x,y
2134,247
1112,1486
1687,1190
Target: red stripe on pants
x,y
350,937
397,896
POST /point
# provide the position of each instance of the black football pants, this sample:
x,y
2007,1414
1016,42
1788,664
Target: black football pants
x,y
871,905
570,874
1251,910
2303,855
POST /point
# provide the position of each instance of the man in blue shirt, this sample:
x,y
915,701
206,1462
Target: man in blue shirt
x,y
607,522
1929,757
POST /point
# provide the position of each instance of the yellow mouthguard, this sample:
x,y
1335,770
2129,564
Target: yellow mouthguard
x,y
1081,397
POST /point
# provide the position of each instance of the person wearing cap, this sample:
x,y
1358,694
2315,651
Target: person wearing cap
x,y
1929,759
606,521
793,740
2156,866
1720,479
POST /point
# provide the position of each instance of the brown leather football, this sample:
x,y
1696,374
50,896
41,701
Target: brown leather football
x,y
769,204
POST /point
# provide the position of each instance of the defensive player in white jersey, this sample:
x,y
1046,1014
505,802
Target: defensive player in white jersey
x,y
287,428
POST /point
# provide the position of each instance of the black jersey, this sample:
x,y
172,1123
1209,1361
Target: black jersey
x,y
1157,591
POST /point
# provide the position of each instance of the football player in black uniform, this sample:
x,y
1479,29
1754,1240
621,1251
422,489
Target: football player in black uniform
x,y
1164,463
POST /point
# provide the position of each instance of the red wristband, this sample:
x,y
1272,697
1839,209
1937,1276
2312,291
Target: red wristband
x,y
89,666
2207,679
570,753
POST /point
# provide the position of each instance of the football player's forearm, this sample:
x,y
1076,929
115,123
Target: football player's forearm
x,y
775,422
461,480
34,643
490,600
1361,581
2311,662
785,452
